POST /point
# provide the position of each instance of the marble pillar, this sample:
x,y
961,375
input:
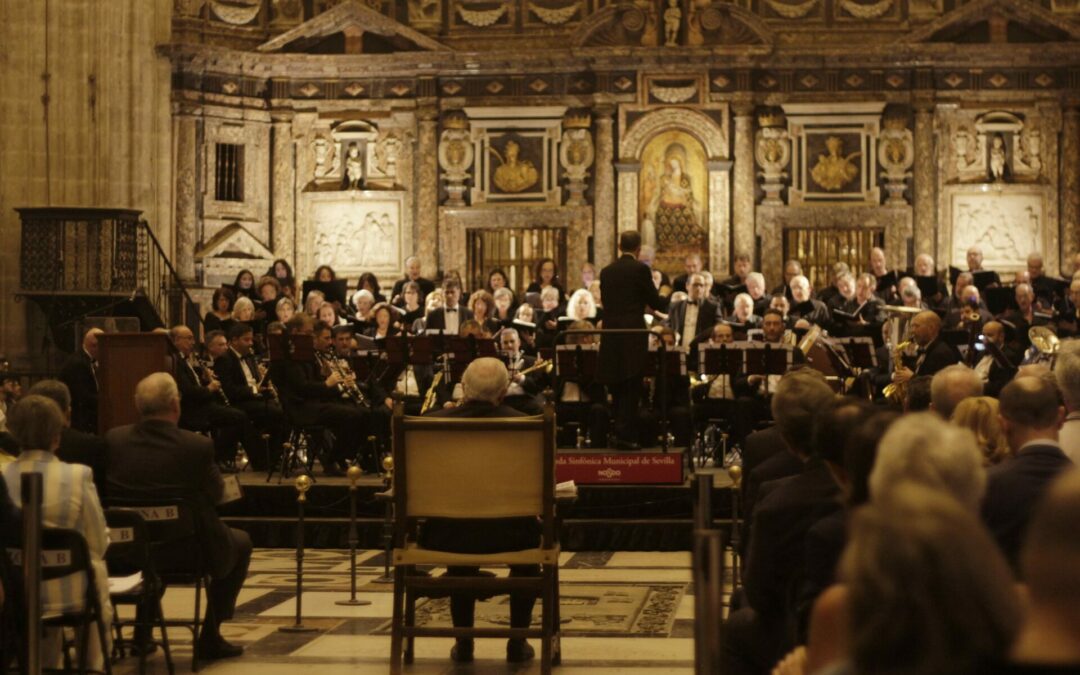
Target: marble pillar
x,y
426,234
604,191
283,189
924,186
185,131
742,211
1069,187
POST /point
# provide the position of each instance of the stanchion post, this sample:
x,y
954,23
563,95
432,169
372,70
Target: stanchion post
x,y
703,487
303,484
736,474
353,474
31,487
708,554
388,522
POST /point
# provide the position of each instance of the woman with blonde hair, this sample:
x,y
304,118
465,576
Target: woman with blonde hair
x,y
980,415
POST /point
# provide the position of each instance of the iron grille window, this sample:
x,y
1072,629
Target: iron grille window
x,y
818,249
229,171
515,251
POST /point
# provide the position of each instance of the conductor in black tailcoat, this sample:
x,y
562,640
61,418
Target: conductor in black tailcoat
x,y
628,290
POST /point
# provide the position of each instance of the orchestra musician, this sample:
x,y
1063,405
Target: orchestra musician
x,y
933,353
677,393
244,385
581,402
692,319
80,374
524,390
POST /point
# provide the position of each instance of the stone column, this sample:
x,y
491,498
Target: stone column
x,y
925,179
426,235
283,189
604,191
742,211
185,130
1070,183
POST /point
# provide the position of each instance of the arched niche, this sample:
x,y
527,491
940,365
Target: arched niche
x,y
649,155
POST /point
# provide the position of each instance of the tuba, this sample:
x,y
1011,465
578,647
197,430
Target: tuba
x,y
1045,344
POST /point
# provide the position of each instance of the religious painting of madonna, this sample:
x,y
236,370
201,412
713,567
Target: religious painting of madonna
x,y
673,200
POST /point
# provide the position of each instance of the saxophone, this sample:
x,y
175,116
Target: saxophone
x,y
896,392
432,392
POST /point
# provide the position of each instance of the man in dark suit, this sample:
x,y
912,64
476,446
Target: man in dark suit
x,y
933,353
628,290
758,634
412,273
804,306
692,264
155,459
524,390
247,391
80,375
484,384
1031,416
693,319
451,315
202,405
76,447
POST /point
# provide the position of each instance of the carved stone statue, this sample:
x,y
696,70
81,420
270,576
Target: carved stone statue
x,y
896,153
425,14
387,152
354,167
1030,149
576,155
324,156
672,22
997,158
773,152
455,158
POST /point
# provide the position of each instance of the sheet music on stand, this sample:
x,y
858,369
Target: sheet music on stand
x,y
674,362
723,361
860,351
283,347
767,359
577,363
464,349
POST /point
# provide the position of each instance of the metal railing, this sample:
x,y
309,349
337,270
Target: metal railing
x,y
160,284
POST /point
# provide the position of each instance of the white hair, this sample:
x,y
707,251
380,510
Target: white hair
x,y
485,380
922,448
571,306
1067,372
549,293
745,299
155,394
799,280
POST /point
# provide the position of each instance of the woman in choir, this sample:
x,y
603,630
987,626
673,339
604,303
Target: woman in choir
x,y
328,312
504,306
363,300
581,307
221,305
588,274
269,290
497,279
410,302
369,282
243,310
324,274
313,303
382,324
283,272
482,306
284,309
546,275
432,301
547,324
525,322
244,285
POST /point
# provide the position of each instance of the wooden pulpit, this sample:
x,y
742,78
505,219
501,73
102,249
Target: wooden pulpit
x,y
123,360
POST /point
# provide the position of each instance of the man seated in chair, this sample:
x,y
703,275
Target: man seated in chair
x,y
156,459
485,382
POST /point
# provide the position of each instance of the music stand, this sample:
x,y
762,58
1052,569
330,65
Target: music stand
x,y
277,345
664,362
464,349
333,291
860,352
577,363
767,359
720,360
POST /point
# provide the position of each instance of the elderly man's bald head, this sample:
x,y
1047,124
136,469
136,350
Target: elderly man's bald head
x,y
925,327
485,380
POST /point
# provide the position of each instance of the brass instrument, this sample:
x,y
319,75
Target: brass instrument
x,y
807,343
896,392
1046,344
539,365
429,398
347,386
970,314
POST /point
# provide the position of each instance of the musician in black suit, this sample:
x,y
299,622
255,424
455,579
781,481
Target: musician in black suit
x,y
76,447
933,352
311,397
451,315
203,407
693,319
412,273
247,391
1031,415
523,392
485,382
155,459
80,375
991,369
628,290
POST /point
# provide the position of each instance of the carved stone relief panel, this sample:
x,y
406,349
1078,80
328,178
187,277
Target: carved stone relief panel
x,y
834,153
356,231
995,146
1006,221
516,154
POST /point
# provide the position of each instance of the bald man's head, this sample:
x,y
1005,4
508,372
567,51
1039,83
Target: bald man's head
x,y
994,332
90,341
925,327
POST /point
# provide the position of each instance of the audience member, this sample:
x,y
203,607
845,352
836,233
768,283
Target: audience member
x,y
980,414
156,459
76,447
69,500
1030,417
950,386
1067,374
918,395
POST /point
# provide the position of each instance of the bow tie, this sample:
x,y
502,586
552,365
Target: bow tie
x,y
695,303
454,309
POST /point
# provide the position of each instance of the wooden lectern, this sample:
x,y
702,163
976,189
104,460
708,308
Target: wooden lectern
x,y
124,359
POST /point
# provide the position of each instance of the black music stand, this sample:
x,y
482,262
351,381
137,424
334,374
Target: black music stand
x,y
662,364
768,359
577,363
719,360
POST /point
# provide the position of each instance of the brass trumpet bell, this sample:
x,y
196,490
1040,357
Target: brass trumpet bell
x,y
1044,339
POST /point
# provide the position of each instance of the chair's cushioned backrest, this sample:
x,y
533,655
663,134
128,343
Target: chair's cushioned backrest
x,y
475,474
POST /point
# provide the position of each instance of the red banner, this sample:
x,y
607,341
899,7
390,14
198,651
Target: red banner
x,y
637,468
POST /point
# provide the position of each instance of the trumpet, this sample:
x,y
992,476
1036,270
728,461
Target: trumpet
x,y
546,366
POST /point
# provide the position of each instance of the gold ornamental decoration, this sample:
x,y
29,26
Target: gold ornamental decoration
x,y
513,174
833,171
792,11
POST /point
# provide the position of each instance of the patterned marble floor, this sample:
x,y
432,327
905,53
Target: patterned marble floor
x,y
623,612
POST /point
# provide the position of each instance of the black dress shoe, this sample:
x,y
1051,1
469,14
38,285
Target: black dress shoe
x,y
519,650
213,649
462,651
626,445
